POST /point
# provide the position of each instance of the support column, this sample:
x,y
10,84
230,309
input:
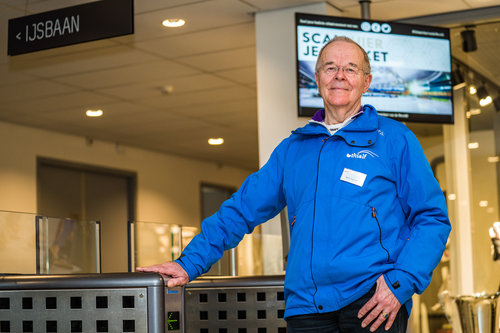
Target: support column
x,y
459,192
458,166
277,99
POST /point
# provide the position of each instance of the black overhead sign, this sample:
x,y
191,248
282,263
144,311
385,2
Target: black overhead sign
x,y
71,25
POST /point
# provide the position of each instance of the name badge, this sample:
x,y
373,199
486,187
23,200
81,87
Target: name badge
x,y
353,177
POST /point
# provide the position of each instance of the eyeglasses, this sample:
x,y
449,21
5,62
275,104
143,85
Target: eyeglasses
x,y
349,70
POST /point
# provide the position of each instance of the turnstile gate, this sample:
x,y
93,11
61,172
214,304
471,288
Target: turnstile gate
x,y
139,302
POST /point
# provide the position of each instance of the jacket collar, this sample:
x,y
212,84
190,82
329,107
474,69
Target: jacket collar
x,y
361,132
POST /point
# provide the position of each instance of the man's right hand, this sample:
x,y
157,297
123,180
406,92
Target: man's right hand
x,y
172,271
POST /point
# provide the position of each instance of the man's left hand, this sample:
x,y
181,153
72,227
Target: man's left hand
x,y
383,306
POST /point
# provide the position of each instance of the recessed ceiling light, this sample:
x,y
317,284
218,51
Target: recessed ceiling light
x,y
173,23
94,113
215,141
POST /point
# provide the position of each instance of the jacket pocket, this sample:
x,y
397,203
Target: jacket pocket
x,y
374,216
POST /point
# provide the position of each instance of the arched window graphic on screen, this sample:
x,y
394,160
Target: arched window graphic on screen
x,y
411,66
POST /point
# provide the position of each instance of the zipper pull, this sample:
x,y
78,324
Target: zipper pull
x,y
373,212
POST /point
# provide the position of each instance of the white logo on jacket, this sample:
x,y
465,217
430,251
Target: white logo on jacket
x,y
362,154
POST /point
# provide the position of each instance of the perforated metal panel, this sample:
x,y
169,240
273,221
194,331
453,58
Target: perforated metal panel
x,y
89,303
139,302
80,310
235,305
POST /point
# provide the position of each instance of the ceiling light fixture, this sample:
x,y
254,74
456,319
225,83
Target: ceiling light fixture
x,y
473,145
457,79
469,39
484,97
215,141
475,112
472,89
94,113
485,101
472,112
173,23
483,203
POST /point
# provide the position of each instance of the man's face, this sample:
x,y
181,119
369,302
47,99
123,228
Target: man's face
x,y
341,90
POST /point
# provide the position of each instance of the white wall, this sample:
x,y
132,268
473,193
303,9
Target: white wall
x,y
276,78
277,99
167,185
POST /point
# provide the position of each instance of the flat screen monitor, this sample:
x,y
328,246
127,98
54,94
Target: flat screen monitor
x,y
411,66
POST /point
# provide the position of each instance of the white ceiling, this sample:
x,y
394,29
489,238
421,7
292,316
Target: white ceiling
x,y
210,63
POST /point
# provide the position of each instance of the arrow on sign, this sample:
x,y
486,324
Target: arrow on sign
x,y
18,36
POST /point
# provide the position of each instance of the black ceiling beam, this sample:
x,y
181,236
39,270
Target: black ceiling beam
x,y
456,18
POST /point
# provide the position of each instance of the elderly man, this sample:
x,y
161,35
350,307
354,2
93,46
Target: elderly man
x,y
368,221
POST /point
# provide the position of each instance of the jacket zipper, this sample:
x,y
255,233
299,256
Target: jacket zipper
x,y
380,234
314,219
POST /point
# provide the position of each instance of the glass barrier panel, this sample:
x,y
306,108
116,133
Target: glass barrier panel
x,y
17,243
68,246
152,243
156,242
187,233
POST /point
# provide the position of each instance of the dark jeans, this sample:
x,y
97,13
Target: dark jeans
x,y
344,320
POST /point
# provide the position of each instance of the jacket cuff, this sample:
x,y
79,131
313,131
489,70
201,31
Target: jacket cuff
x,y
400,285
190,269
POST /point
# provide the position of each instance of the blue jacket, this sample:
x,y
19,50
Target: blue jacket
x,y
361,203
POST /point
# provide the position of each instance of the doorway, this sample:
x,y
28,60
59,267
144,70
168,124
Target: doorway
x,y
212,196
